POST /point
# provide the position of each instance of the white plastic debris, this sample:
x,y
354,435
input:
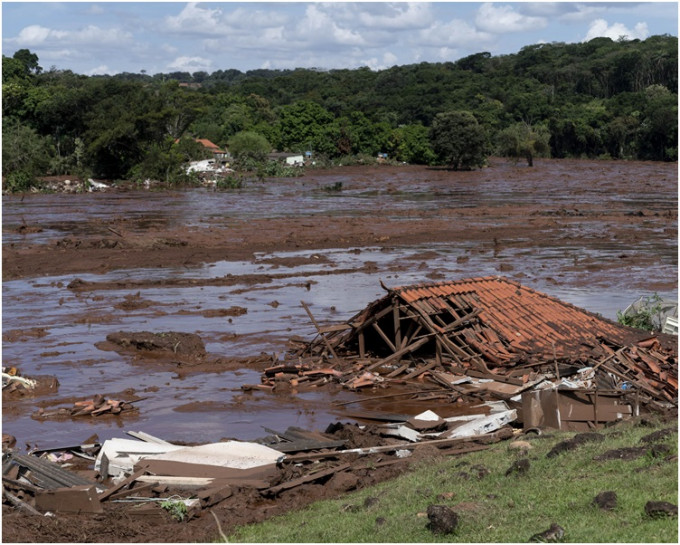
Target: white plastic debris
x,y
119,456
234,454
428,416
403,432
95,185
483,424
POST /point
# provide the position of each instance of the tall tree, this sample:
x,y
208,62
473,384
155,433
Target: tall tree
x,y
524,140
458,140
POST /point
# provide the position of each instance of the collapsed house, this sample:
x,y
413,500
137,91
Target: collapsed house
x,y
511,337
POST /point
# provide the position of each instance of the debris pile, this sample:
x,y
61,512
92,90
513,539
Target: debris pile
x,y
159,481
97,406
486,338
12,381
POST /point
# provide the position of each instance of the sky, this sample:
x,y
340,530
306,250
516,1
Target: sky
x,y
112,37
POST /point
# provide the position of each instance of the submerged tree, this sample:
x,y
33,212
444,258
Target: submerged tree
x,y
524,140
458,140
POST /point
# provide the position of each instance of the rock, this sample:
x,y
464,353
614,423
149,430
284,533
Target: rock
x,y
370,502
606,500
588,437
519,467
443,520
446,496
626,453
658,435
657,509
552,534
576,441
520,445
659,449
8,441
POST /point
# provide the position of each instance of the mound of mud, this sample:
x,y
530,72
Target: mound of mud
x,y
185,344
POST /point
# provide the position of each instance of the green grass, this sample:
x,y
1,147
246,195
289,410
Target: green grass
x,y
497,508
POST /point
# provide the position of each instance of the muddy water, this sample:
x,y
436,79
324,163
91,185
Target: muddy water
x,y
584,264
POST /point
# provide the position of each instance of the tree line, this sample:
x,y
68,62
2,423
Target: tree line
x,y
602,98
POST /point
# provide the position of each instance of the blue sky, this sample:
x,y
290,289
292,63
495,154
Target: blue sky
x,y
111,37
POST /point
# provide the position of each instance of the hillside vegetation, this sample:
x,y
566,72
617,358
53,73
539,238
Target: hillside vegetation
x,y
596,99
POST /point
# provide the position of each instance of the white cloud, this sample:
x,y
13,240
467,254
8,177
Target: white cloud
x,y
392,16
390,59
447,54
32,35
36,35
456,33
317,27
99,70
190,64
195,20
600,28
95,9
502,19
167,48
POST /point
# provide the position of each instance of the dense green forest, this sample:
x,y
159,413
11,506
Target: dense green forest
x,y
602,98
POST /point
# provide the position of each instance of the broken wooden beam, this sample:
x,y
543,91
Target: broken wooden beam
x,y
397,355
274,490
316,325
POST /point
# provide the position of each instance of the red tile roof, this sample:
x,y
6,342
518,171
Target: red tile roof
x,y
208,144
529,321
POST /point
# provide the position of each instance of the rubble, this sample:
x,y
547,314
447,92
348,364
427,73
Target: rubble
x,y
501,354
491,338
96,406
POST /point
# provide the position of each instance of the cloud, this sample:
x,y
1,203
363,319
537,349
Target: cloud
x,y
100,70
599,28
190,64
93,36
195,20
393,16
95,9
390,59
32,35
318,27
455,33
503,19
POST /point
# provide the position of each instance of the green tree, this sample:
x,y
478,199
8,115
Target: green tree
x,y
411,144
524,140
25,155
300,124
249,146
458,140
658,132
28,60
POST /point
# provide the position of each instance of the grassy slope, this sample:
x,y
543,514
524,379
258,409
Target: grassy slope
x,y
496,508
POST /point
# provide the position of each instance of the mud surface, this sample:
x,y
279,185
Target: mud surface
x,y
85,275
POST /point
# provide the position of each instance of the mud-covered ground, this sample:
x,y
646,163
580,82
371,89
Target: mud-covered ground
x,y
82,273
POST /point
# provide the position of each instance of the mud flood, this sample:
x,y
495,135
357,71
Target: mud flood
x,y
233,266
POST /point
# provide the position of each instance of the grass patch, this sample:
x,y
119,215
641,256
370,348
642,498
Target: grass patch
x,y
496,508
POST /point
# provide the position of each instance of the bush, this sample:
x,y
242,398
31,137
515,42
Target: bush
x,y
19,180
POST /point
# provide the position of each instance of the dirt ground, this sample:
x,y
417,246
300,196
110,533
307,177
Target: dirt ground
x,y
626,211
